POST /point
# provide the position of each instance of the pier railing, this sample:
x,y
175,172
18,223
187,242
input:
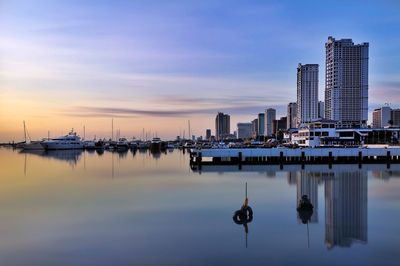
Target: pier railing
x,y
295,156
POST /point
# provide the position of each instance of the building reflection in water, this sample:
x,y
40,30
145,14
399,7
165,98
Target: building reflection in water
x,y
346,209
345,203
307,184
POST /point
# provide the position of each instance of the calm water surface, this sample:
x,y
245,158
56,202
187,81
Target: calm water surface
x,y
86,208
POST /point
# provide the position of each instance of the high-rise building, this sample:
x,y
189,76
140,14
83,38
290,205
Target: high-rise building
x,y
270,114
261,124
292,115
254,126
244,130
208,134
222,126
307,93
395,117
346,82
381,117
321,109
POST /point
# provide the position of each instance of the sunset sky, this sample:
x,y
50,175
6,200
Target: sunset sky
x,y
157,64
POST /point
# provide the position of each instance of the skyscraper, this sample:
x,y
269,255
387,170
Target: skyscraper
x,y
292,115
307,93
270,114
254,124
244,130
346,82
321,109
261,124
208,134
222,125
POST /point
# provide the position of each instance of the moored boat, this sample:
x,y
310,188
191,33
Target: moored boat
x,y
33,145
155,145
122,144
68,142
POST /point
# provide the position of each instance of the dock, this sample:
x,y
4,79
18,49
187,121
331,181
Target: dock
x,y
287,156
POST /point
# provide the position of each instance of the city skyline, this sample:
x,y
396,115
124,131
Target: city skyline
x,y
155,70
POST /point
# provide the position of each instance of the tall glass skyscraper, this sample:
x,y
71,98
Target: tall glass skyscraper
x,y
346,82
307,93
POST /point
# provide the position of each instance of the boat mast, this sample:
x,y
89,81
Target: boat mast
x,y
24,132
84,132
189,130
112,129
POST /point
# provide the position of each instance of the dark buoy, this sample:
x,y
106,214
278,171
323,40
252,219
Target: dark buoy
x,y
244,215
305,209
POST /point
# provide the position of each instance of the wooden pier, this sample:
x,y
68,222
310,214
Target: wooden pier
x,y
283,156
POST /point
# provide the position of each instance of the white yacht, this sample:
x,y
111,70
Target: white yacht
x,y
67,142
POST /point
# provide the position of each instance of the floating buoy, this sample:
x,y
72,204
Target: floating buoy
x,y
244,215
305,209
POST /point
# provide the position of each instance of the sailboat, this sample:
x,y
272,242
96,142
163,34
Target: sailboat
x,y
31,144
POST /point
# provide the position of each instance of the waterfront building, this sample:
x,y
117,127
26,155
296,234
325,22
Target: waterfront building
x,y
325,133
346,82
381,117
395,117
222,126
321,109
292,115
254,127
346,209
312,134
244,130
261,124
208,134
307,93
270,114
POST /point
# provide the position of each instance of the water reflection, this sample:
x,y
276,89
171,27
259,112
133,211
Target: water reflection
x,y
346,209
72,157
346,193
162,207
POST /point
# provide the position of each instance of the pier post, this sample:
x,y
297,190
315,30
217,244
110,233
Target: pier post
x,y
388,159
199,158
240,157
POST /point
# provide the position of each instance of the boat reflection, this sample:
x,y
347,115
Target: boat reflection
x,y
70,156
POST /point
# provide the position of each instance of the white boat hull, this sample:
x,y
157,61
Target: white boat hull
x,y
33,146
62,146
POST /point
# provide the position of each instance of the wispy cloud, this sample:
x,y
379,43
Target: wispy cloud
x,y
87,111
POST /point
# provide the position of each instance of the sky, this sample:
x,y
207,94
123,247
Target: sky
x,y
154,65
